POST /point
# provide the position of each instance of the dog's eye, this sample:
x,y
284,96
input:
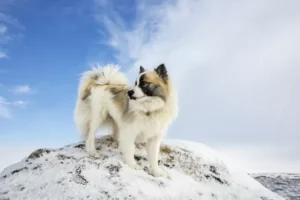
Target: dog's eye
x,y
144,82
151,86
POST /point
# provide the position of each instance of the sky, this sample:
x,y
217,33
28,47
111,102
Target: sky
x,y
236,66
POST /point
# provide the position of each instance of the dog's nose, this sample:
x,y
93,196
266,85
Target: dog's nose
x,y
130,93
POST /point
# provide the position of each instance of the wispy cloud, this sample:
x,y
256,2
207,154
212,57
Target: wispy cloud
x,y
128,38
4,38
3,54
3,29
19,103
21,89
8,19
6,107
6,22
236,65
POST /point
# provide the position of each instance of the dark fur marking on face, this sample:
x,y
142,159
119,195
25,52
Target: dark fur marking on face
x,y
151,89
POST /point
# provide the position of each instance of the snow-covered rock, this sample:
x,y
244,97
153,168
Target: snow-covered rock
x,y
195,172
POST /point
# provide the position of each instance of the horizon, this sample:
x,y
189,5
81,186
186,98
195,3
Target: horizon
x,y
235,65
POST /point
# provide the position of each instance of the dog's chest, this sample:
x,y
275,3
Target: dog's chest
x,y
149,126
145,136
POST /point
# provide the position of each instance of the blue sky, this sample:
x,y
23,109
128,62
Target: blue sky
x,y
44,46
235,64
50,45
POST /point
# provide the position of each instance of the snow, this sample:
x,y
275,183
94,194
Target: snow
x,y
195,172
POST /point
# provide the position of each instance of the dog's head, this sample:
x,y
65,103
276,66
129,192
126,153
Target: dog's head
x,y
150,84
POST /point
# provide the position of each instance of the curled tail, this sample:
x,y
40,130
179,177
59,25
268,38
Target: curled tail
x,y
106,75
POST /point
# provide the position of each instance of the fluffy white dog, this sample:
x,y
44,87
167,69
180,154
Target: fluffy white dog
x,y
142,114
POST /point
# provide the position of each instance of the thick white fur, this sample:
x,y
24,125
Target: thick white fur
x,y
106,75
94,112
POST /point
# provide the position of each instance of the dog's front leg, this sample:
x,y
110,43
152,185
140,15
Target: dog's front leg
x,y
152,148
127,147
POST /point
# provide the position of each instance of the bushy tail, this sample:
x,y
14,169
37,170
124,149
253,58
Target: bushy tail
x,y
106,75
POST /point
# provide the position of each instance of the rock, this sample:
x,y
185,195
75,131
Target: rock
x,y
194,172
38,153
287,185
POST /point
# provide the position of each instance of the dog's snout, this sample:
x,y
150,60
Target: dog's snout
x,y
130,93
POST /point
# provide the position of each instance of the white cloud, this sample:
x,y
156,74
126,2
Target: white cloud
x,y
6,22
6,107
3,29
19,103
4,37
7,19
3,54
236,65
21,89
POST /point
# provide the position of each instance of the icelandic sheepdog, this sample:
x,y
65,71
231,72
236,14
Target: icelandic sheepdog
x,y
139,114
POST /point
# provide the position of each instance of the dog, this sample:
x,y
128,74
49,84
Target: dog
x,y
139,114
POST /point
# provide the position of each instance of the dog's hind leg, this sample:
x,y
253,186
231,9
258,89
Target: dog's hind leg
x,y
115,131
127,147
90,137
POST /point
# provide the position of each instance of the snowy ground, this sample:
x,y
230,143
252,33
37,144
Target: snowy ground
x,y
286,185
195,172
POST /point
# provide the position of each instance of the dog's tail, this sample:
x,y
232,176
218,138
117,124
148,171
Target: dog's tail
x,y
106,75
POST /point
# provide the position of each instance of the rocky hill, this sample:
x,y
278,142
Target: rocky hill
x,y
194,172
286,185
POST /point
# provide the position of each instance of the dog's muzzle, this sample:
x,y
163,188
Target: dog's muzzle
x,y
130,94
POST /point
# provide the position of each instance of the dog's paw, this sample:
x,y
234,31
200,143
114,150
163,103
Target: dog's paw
x,y
94,154
135,166
158,172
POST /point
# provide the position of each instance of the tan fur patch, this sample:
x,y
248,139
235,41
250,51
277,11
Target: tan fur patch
x,y
120,96
152,77
87,90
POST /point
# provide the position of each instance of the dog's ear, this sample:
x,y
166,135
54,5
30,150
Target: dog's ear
x,y
162,72
142,69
